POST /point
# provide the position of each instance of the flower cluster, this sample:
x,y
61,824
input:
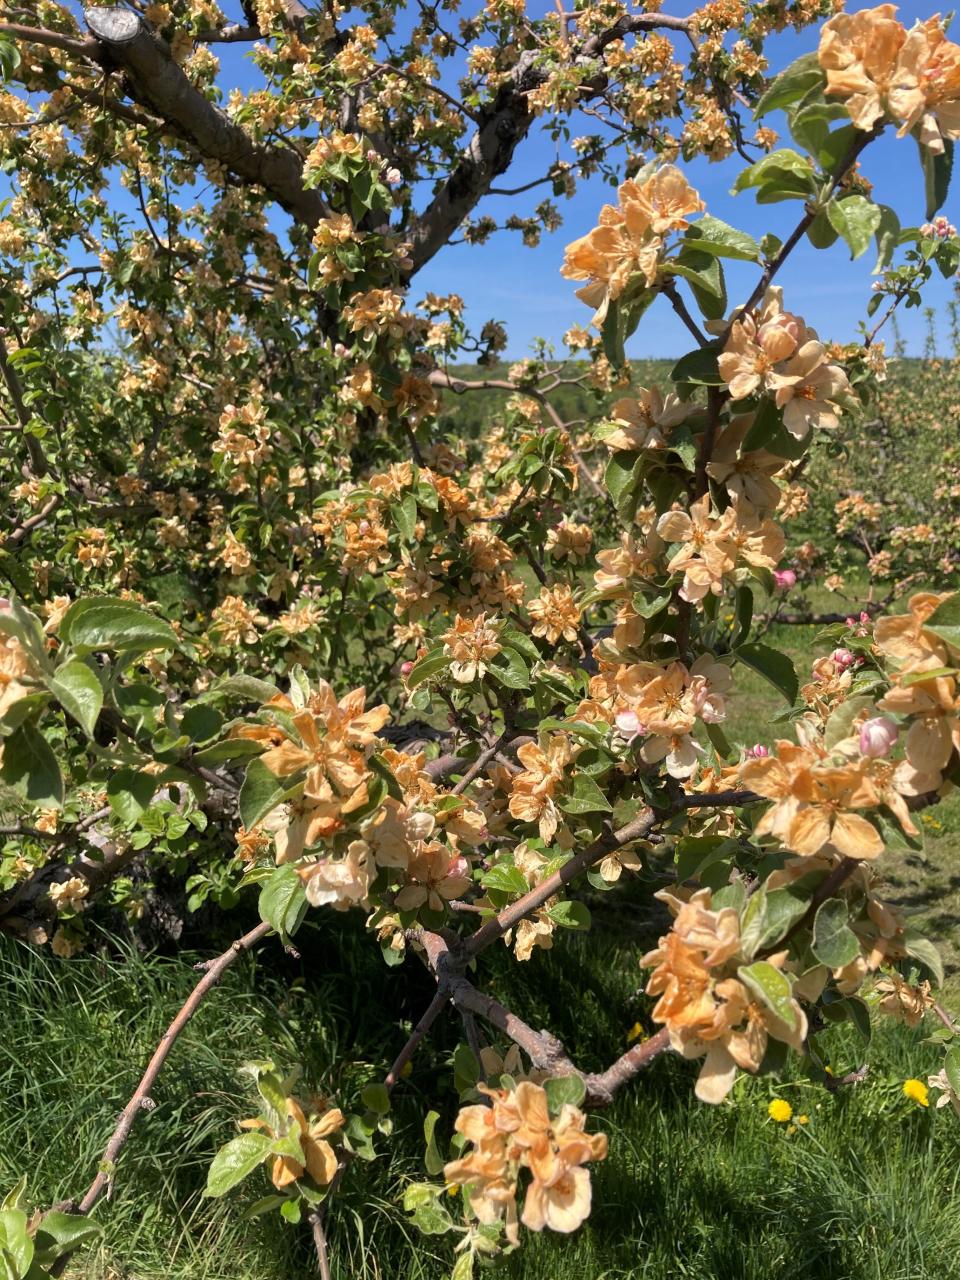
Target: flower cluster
x,y
881,70
518,1132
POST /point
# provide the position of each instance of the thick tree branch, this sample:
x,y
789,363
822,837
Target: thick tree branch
x,y
157,83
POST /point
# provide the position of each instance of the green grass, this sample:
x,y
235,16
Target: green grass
x,y
866,1191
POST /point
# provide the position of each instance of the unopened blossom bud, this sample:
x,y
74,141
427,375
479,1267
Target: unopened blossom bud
x,y
364,526
785,579
758,751
864,616
372,157
406,668
877,737
628,724
843,658
393,177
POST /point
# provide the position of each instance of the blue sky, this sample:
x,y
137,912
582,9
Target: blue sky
x,y
523,287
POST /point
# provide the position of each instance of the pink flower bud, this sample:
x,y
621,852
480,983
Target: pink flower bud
x,y
393,177
758,751
877,737
864,616
628,724
364,526
785,579
406,668
843,658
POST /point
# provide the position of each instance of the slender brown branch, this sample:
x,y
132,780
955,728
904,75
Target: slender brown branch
x,y
141,1097
539,894
320,1244
432,1012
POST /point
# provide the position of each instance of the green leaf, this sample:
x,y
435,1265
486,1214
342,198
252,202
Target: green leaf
x,y
79,692
505,879
834,942
236,1160
261,791
564,1090
775,667
792,85
951,1064
283,901
509,668
102,622
771,987
15,1240
855,219
433,1160
129,793
768,917
699,367
711,235
570,914
937,171
624,479
30,767
944,622
466,1068
463,1267
431,664
404,515
246,688
785,168
376,1098
586,797
922,949
887,237
61,1233
611,332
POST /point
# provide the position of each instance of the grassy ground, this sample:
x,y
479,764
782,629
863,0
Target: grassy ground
x,y
867,1190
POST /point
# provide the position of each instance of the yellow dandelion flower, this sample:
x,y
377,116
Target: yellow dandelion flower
x,y
803,1119
780,1110
917,1092
635,1032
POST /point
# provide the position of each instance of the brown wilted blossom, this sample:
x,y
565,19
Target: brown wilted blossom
x,y
641,421
16,666
902,635
903,1002
813,802
925,89
555,614
858,52
532,791
340,883
569,541
664,704
707,1010
318,1158
747,475
518,1132
623,568
713,545
470,643
628,240
334,737
434,877
934,707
